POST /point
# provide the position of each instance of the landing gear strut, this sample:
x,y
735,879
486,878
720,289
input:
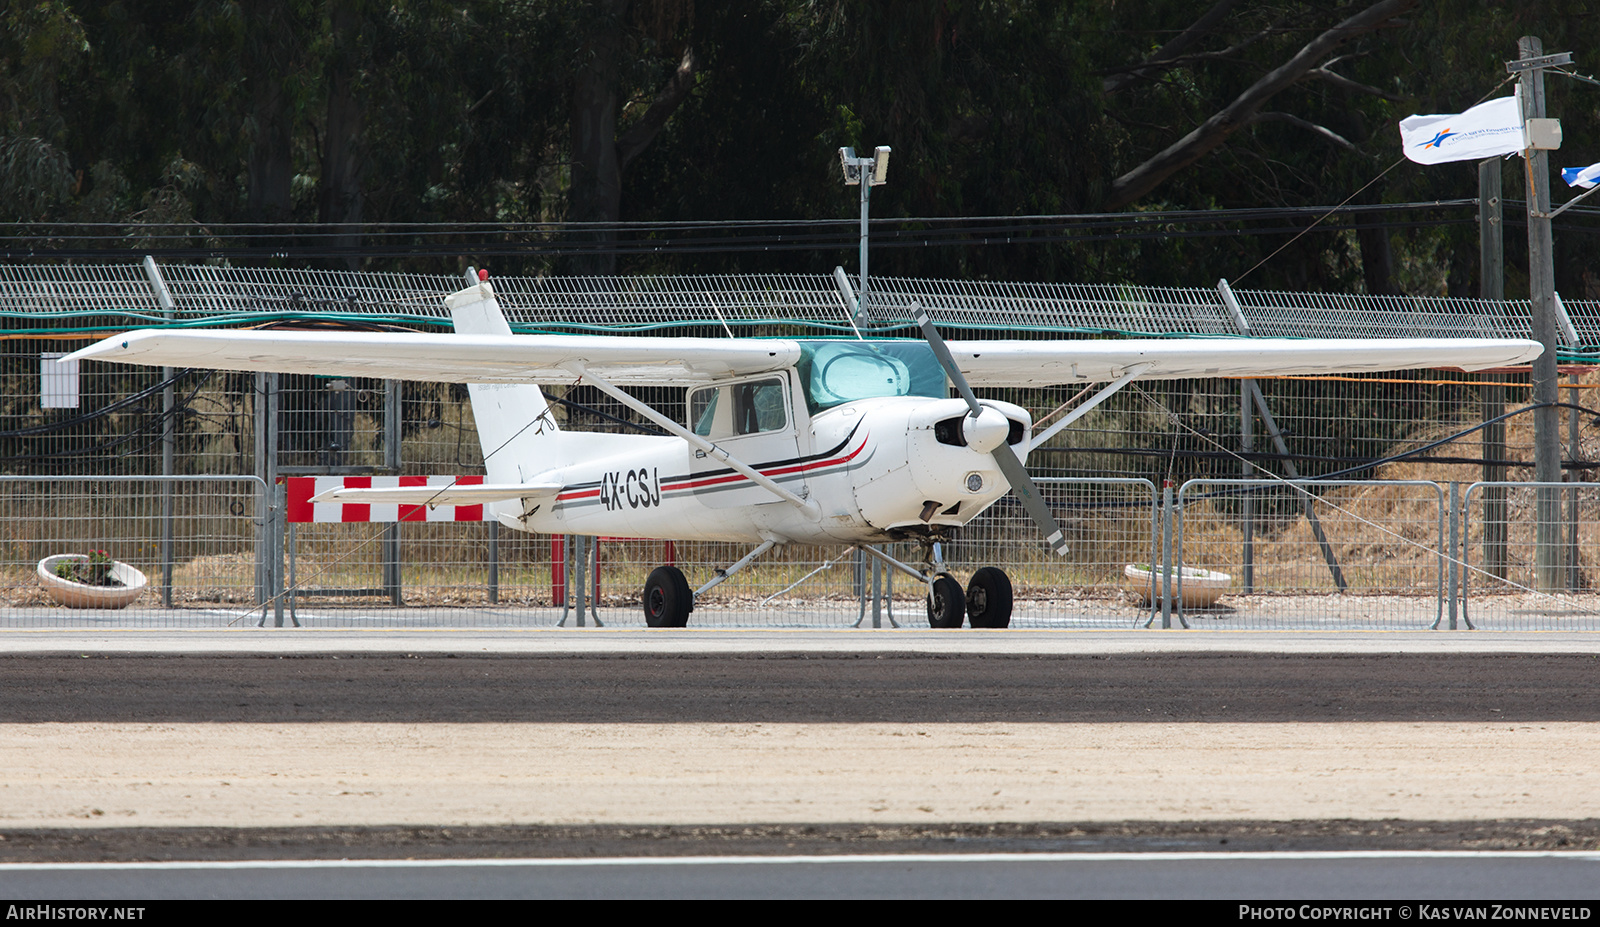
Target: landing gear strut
x,y
986,604
668,599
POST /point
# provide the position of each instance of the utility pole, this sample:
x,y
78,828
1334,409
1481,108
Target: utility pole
x,y
1492,285
1550,555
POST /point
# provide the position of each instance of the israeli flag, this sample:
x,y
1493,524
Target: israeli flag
x,y
1585,177
1486,130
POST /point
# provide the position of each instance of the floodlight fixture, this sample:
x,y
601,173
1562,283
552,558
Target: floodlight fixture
x,y
851,165
865,173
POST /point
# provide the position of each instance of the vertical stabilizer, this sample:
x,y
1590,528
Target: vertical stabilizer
x,y
513,419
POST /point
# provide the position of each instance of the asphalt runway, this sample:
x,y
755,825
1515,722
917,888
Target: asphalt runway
x,y
1385,886
797,687
89,685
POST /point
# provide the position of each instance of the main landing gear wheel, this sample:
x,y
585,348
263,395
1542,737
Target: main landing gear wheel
x,y
989,599
667,599
946,606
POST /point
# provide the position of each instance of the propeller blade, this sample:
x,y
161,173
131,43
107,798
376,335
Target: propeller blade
x,y
946,360
1022,485
1010,465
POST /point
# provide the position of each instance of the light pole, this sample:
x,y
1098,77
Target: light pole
x,y
865,173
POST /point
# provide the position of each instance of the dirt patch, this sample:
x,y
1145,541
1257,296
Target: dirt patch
x,y
56,775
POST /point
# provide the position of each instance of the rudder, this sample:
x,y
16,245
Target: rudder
x,y
513,419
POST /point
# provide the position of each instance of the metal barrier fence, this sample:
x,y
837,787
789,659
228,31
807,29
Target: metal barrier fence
x,y
461,573
1499,586
1259,554
1346,554
199,546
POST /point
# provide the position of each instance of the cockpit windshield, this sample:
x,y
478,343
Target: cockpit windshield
x,y
836,372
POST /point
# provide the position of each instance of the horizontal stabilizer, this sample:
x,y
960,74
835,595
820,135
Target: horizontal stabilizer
x,y
475,494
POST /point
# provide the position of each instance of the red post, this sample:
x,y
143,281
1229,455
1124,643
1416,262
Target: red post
x,y
558,569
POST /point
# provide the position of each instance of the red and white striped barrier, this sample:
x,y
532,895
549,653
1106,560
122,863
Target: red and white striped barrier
x,y
303,511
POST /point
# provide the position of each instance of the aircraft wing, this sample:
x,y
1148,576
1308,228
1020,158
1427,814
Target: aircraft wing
x,y
475,494
460,358
1042,363
451,358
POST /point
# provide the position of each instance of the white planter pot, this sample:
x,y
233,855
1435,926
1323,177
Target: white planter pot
x,y
1201,588
79,595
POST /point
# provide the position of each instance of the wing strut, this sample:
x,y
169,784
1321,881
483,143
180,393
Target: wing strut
x,y
1105,393
716,453
1252,393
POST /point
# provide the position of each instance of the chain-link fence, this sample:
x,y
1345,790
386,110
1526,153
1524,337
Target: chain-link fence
x,y
210,552
111,419
179,552
106,420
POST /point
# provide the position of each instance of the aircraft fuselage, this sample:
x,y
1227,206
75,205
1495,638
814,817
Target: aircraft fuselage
x,y
874,470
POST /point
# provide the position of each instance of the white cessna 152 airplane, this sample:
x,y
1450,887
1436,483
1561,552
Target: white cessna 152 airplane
x,y
787,440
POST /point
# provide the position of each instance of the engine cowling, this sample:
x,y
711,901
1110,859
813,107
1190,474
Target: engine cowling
x,y
932,469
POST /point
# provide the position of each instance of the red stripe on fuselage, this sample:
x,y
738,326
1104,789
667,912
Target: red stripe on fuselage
x,y
692,483
775,471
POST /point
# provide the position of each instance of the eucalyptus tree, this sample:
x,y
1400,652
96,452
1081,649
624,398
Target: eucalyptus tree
x,y
42,46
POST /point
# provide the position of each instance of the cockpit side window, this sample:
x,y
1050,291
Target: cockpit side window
x,y
752,408
703,410
758,407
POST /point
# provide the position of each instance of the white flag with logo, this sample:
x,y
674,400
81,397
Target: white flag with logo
x,y
1486,130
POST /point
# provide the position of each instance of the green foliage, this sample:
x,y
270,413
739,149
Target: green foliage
x,y
207,113
93,570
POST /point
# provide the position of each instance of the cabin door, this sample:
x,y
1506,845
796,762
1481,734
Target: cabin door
x,y
754,421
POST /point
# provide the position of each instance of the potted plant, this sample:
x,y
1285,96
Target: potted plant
x,y
91,580
1201,588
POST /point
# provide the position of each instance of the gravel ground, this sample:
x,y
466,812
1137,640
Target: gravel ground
x,y
1092,609
204,756
107,844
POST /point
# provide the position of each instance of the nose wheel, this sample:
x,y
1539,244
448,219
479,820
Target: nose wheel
x,y
989,599
946,606
986,604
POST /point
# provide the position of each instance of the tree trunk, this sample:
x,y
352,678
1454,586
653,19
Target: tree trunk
x,y
1377,261
270,51
339,193
596,192
599,153
270,166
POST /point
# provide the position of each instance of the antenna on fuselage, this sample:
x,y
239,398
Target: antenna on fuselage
x,y
846,292
720,318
